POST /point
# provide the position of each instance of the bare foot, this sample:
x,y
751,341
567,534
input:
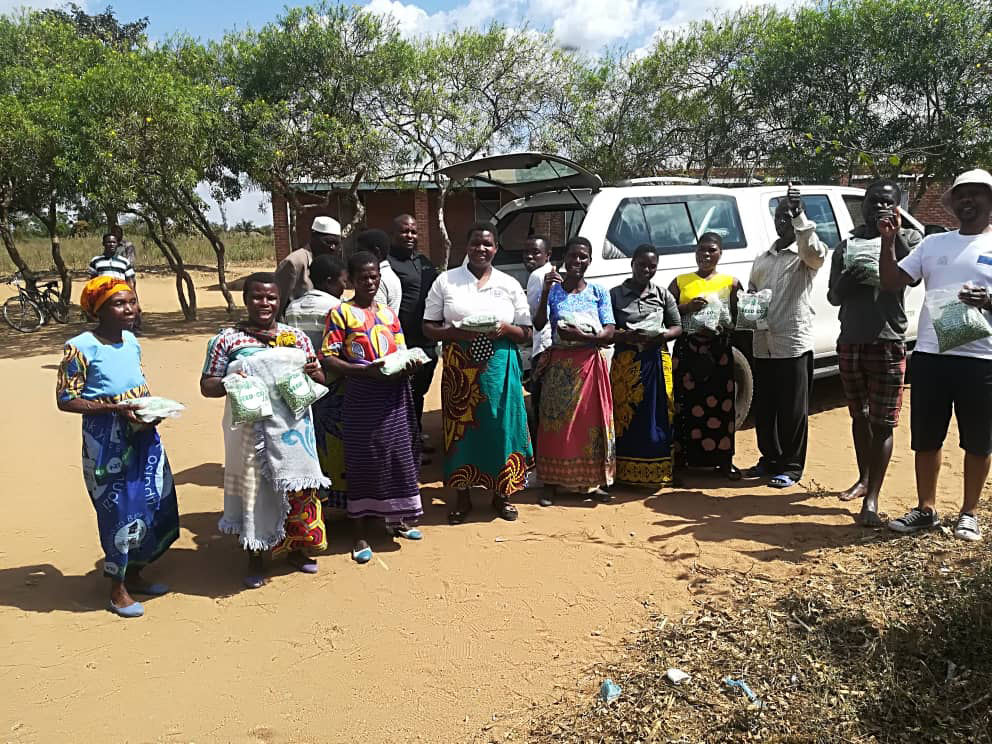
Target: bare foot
x,y
858,491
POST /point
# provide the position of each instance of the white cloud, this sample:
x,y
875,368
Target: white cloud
x,y
414,21
588,25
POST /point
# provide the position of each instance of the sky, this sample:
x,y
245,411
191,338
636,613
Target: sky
x,y
586,25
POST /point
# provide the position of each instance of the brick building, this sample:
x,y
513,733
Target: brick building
x,y
473,203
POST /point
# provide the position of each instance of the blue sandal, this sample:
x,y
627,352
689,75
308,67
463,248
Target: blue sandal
x,y
408,533
361,556
135,609
781,481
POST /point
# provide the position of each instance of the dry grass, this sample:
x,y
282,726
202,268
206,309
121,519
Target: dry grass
x,y
887,641
77,252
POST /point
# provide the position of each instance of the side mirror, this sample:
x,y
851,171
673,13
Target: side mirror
x,y
934,229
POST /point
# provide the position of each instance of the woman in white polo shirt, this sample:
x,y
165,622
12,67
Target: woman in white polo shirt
x,y
958,379
486,439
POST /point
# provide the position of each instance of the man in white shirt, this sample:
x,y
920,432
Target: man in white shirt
x,y
377,243
329,275
958,379
783,354
537,256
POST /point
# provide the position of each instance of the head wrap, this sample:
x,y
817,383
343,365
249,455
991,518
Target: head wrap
x,y
98,290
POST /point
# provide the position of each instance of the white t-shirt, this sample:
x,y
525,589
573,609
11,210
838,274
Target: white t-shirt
x,y
455,295
947,261
390,290
535,286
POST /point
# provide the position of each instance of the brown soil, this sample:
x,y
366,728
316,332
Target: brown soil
x,y
448,640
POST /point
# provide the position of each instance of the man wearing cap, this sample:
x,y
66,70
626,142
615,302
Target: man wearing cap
x,y
958,380
293,272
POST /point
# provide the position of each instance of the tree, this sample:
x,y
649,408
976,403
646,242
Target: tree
x,y
305,86
41,58
467,92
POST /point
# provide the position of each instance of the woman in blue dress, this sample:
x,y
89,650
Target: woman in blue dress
x,y
576,449
124,466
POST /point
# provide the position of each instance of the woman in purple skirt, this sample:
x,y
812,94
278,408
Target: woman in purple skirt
x,y
381,438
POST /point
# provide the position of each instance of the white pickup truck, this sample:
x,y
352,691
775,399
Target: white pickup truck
x,y
557,198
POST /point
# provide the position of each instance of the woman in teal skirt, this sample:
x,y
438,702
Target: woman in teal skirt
x,y
486,438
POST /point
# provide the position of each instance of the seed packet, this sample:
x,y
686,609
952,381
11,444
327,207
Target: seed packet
x,y
713,317
864,255
249,398
395,363
154,407
298,391
481,322
954,322
752,310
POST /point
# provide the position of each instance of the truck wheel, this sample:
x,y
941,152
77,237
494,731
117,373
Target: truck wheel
x,y
744,387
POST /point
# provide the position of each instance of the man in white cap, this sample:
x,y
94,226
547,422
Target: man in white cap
x,y
293,272
958,379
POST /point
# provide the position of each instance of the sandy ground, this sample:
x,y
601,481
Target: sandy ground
x,y
448,640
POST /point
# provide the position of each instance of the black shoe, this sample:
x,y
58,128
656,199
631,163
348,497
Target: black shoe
x,y
915,520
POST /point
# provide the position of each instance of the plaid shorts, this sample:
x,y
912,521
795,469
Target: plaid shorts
x,y
872,377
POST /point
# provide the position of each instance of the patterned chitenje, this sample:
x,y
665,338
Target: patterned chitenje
x,y
460,393
561,387
304,523
644,472
511,478
625,378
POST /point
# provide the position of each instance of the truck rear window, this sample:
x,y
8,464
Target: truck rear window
x,y
672,224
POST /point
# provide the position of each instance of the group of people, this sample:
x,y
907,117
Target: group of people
x,y
642,418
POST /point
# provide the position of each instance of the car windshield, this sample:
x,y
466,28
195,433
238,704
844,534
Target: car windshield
x,y
556,224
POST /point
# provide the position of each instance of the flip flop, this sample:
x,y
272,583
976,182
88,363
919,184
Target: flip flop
x,y
361,556
408,533
149,590
254,582
733,473
304,565
135,609
781,481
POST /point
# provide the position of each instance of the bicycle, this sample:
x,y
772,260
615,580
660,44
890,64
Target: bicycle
x,y
32,307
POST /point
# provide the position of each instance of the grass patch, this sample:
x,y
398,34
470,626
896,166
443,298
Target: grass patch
x,y
196,251
887,641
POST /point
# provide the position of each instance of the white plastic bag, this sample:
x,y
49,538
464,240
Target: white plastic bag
x,y
395,363
752,310
954,322
249,398
713,317
154,407
652,325
480,322
586,322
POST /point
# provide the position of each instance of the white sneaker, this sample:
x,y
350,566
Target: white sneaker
x,y
967,528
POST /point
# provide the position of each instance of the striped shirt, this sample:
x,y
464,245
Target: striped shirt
x,y
788,273
115,266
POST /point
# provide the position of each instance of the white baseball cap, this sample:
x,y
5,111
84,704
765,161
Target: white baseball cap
x,y
977,175
326,225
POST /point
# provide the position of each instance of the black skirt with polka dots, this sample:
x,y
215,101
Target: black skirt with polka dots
x,y
703,371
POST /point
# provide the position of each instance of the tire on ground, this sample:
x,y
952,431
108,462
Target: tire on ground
x,y
744,387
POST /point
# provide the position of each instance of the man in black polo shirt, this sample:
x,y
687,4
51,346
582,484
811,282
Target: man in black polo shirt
x,y
416,274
